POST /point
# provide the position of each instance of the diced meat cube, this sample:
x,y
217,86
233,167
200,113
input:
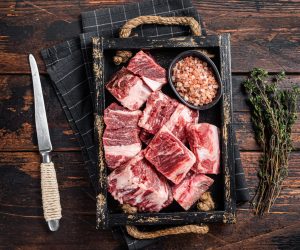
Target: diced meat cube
x,y
159,108
138,185
116,117
128,89
179,119
169,155
204,142
145,136
187,192
121,145
145,66
121,136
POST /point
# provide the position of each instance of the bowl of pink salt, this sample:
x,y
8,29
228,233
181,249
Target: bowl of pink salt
x,y
195,79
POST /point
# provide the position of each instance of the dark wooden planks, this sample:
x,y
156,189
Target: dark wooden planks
x,y
60,6
267,34
263,33
17,129
245,134
20,209
239,95
22,175
284,234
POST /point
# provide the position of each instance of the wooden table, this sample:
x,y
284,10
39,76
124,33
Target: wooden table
x,y
264,34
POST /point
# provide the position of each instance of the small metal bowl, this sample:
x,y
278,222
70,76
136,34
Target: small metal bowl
x,y
210,63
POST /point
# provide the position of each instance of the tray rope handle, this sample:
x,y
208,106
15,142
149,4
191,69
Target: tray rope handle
x,y
122,56
205,203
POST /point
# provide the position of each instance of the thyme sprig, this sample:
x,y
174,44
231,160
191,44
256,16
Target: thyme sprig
x,y
273,112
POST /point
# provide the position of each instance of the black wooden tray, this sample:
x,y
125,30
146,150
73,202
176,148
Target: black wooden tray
x,y
164,50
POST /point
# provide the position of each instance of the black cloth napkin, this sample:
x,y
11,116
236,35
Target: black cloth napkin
x,y
69,66
241,188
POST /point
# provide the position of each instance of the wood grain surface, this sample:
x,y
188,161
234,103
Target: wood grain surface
x,y
263,34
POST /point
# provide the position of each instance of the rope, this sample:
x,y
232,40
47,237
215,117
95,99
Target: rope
x,y
185,21
205,204
123,56
134,232
50,194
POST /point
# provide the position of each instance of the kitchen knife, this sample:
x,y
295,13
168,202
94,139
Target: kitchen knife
x,y
50,193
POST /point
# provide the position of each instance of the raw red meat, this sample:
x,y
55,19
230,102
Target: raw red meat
x,y
145,136
158,110
187,192
121,145
144,66
204,143
121,137
169,155
138,185
116,117
179,119
128,89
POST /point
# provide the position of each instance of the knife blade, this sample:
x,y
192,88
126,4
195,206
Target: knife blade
x,y
41,123
50,193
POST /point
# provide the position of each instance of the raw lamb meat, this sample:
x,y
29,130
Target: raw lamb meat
x,y
138,185
128,89
121,137
116,117
169,155
144,66
179,119
120,146
187,192
158,110
145,136
204,142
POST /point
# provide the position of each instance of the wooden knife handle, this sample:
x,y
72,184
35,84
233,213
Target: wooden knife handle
x,y
50,193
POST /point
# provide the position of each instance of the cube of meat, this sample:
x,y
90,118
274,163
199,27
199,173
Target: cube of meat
x,y
204,142
138,185
116,117
121,136
145,66
179,119
121,145
187,192
169,155
128,89
159,108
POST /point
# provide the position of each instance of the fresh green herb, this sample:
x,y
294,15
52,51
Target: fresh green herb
x,y
273,112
